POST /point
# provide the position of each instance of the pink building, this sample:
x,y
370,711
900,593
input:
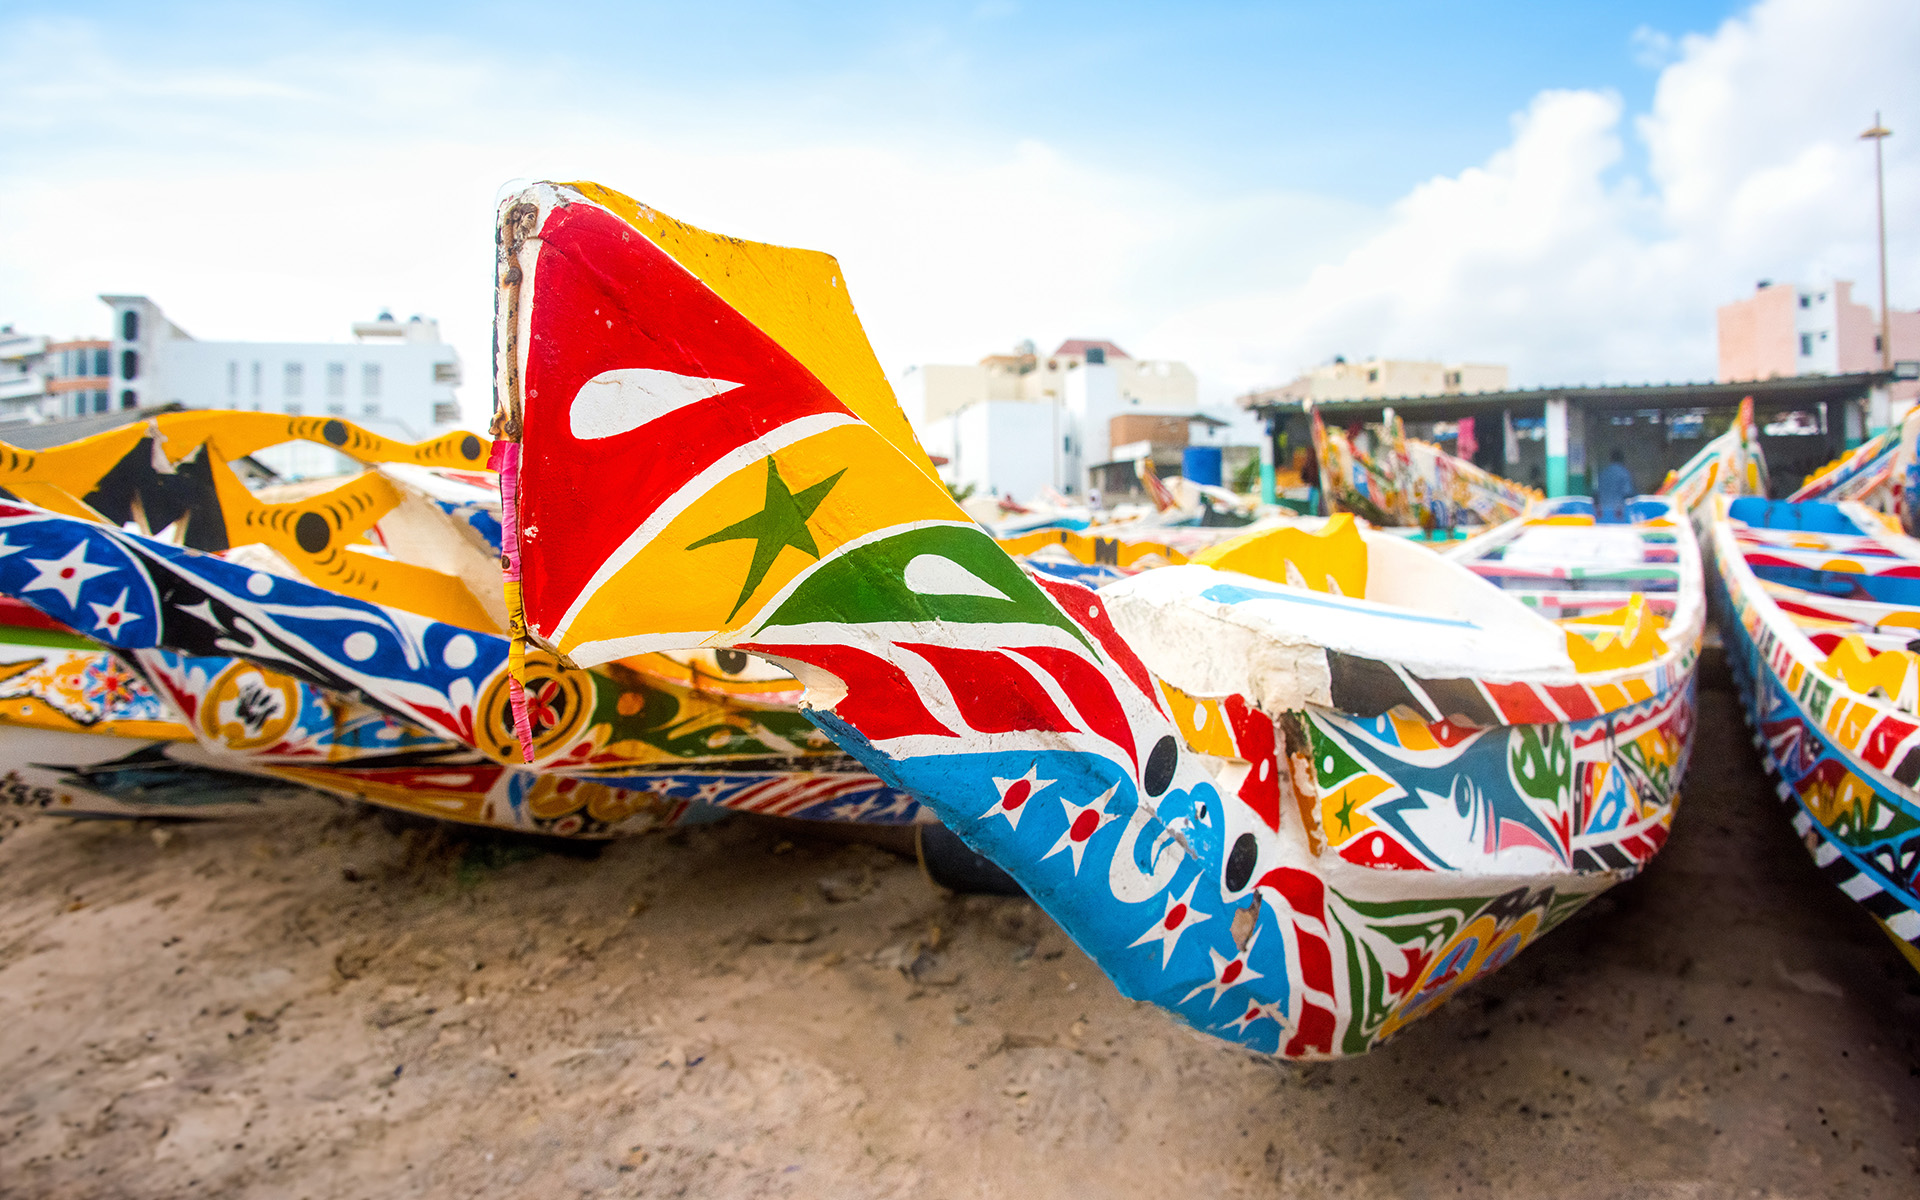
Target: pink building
x,y
1784,329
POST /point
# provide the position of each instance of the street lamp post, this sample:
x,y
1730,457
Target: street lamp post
x,y
1878,134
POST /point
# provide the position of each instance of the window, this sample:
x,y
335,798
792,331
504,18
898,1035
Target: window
x,y
99,402
296,380
1453,379
1806,343
103,362
130,326
129,364
233,379
446,412
336,409
1806,301
128,399
1876,343
370,379
369,410
1373,376
294,410
446,372
336,379
256,384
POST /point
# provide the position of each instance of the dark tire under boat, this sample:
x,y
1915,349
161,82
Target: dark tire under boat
x,y
952,864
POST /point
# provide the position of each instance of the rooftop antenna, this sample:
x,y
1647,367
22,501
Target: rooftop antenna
x,y
1880,133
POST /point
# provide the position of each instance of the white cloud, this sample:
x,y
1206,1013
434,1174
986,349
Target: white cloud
x,y
284,198
1553,259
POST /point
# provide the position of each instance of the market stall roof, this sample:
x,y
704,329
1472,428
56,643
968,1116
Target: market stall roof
x,y
1799,391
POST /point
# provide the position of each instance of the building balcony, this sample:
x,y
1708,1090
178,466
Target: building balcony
x,y
21,387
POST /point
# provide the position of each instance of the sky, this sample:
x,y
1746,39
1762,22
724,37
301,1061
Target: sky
x,y
1569,189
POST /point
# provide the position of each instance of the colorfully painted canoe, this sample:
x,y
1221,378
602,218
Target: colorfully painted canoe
x,y
420,531
1820,608
1405,483
1730,464
283,675
1881,473
90,731
1297,792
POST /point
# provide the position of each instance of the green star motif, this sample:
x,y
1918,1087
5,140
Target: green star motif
x,y
782,523
1346,815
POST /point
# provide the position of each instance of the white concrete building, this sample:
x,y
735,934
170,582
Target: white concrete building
x,y
43,379
395,378
1046,421
997,447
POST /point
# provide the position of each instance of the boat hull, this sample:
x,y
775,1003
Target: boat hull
x,y
1845,765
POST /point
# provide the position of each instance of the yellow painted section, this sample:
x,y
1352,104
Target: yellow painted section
x,y
1609,697
78,466
1847,566
878,488
1855,663
1561,520
1848,796
1628,636
60,478
1351,797
43,685
1332,559
1414,735
1085,548
1832,720
1490,943
796,297
1853,730
1202,724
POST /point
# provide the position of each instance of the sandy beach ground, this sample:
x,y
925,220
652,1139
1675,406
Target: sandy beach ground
x,y
319,1004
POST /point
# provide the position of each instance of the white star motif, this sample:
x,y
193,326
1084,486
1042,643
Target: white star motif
x,y
1014,794
710,791
1179,917
112,618
661,786
7,547
65,574
852,810
1228,973
1256,1011
1083,821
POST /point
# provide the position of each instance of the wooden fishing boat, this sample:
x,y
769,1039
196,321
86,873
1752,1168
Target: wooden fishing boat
x,y
309,685
1297,791
1879,473
90,731
1820,605
1407,484
1731,464
656,739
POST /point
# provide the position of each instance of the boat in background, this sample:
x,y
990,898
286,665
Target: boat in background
x,y
1296,791
1819,609
1404,484
1881,474
1731,464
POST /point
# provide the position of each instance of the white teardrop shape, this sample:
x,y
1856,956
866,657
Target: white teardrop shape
x,y
933,575
614,402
